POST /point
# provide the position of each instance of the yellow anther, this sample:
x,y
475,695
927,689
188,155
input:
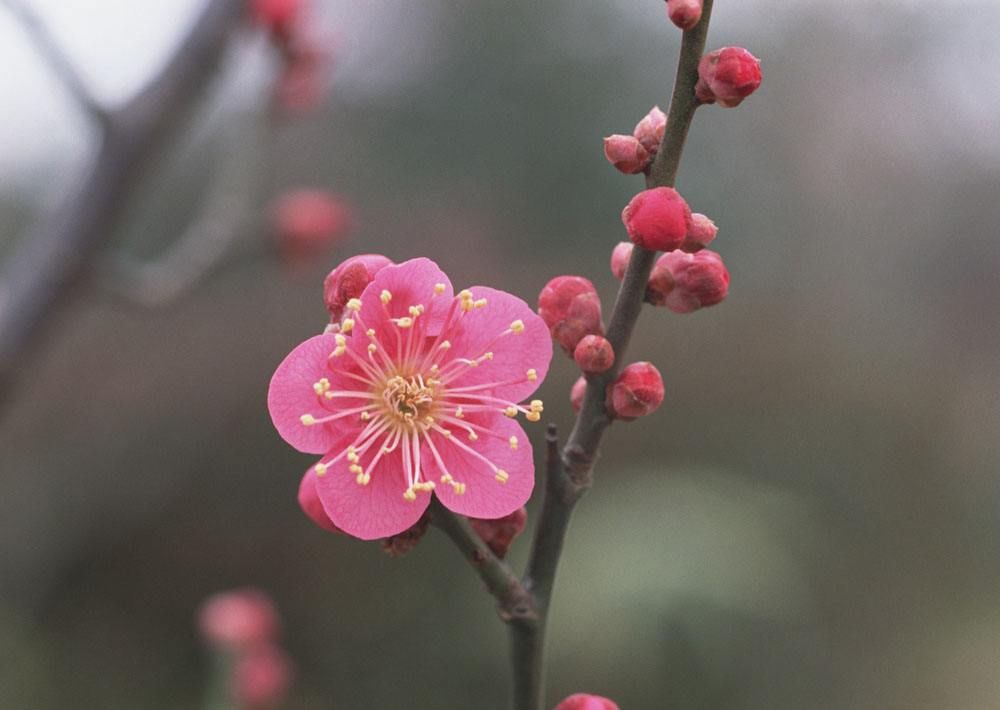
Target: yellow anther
x,y
533,416
307,419
511,411
502,476
434,367
445,344
446,478
410,494
363,479
513,442
537,405
488,355
439,289
353,457
404,322
416,310
355,468
341,340
372,347
385,296
446,432
370,332
532,374
347,326
473,436
429,419
426,486
338,351
354,304
321,469
459,488
465,294
321,386
517,326
328,395
480,303
365,416
458,413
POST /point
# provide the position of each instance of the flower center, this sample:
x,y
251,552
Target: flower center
x,y
408,400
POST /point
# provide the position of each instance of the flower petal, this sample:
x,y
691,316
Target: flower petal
x,y
411,283
484,496
291,395
513,354
375,510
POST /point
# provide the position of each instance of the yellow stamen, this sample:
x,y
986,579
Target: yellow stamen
x,y
517,326
307,419
439,289
347,326
513,442
502,476
354,304
532,374
511,411
321,469
385,296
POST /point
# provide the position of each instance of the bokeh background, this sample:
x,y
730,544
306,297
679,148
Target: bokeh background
x,y
812,519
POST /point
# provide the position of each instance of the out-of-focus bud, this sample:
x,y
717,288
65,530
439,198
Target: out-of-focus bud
x,y
701,233
571,309
698,280
638,391
238,619
276,16
594,354
306,220
626,153
727,76
649,131
586,701
684,13
499,534
349,279
619,259
399,545
261,678
312,506
657,219
302,83
577,393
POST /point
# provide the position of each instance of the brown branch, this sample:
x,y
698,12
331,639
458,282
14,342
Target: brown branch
x,y
57,60
50,259
569,475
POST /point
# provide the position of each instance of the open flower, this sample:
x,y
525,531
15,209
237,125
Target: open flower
x,y
417,395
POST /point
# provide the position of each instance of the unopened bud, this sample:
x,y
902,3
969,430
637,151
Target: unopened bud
x,y
500,533
684,13
649,131
626,153
577,393
657,219
238,619
261,677
306,220
348,280
594,354
586,701
638,391
312,506
571,309
701,233
727,76
399,545
697,280
620,257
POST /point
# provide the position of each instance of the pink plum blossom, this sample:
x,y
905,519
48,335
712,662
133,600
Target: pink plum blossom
x,y
417,395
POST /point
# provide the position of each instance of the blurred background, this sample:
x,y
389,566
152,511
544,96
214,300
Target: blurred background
x,y
812,519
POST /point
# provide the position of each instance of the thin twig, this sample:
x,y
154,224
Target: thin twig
x,y
57,60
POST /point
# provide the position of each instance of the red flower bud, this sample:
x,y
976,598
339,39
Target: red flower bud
x,y
727,75
238,619
306,220
349,279
594,354
684,13
649,131
577,393
637,391
586,701
700,234
696,280
657,219
619,259
399,545
261,677
626,153
571,308
310,503
500,533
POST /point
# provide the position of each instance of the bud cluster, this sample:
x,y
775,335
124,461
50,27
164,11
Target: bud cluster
x,y
634,154
727,76
500,533
571,309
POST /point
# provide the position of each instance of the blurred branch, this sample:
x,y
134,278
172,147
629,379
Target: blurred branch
x,y
569,475
57,60
49,260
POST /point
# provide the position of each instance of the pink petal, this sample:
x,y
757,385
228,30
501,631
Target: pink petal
x,y
291,395
513,354
373,511
484,496
410,283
